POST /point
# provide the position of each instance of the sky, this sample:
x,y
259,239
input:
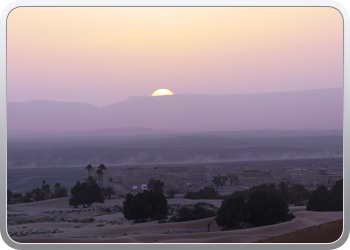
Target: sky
x,y
105,55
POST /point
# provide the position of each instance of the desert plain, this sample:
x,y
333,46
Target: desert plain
x,y
54,221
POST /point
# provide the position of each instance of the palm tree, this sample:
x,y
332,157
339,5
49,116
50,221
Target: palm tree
x,y
109,192
99,173
89,168
102,167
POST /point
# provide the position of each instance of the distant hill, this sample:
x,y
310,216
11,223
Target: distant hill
x,y
302,110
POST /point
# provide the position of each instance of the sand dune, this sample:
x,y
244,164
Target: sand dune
x,y
55,221
324,233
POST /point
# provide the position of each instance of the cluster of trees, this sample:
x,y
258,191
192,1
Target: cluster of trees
x,y
38,194
145,206
323,199
206,193
220,181
100,171
268,203
86,193
264,206
158,186
89,192
295,194
258,206
149,205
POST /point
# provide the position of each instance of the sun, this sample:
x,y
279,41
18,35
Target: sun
x,y
161,92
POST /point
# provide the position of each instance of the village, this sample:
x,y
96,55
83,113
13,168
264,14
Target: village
x,y
185,179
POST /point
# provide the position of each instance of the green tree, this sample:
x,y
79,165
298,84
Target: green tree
x,y
265,205
17,196
267,208
323,200
156,185
283,187
298,195
99,174
109,191
319,199
60,191
86,193
336,194
145,206
46,191
57,186
232,212
28,197
37,194
102,169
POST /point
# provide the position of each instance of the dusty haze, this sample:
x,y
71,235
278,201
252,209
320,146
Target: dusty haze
x,y
301,110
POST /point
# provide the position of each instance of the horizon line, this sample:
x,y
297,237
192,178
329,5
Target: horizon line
x,y
168,96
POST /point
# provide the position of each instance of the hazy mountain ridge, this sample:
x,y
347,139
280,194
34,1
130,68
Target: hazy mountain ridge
x,y
110,132
301,110
177,129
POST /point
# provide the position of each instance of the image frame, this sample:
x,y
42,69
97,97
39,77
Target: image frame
x,y
172,3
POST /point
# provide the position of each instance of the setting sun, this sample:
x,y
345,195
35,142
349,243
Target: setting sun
x,y
161,92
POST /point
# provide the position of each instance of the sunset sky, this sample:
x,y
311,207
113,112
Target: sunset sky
x,y
104,55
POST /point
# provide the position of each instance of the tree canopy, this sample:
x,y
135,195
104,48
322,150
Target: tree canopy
x,y
220,181
156,185
206,193
86,193
323,199
264,206
145,206
267,208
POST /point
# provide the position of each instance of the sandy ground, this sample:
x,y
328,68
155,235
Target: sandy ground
x,y
54,221
330,231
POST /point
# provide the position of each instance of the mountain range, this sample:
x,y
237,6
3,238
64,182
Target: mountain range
x,y
312,110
